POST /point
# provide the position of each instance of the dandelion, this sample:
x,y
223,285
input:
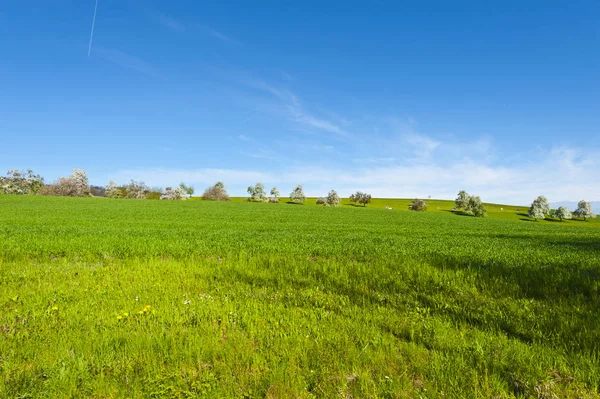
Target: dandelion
x,y
125,314
140,312
55,308
119,317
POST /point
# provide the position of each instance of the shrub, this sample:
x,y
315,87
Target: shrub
x,y
322,201
216,193
418,205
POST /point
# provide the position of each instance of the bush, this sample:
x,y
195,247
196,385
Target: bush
x,y
216,193
322,201
418,205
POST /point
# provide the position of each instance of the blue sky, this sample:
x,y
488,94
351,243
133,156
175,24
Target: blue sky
x,y
401,99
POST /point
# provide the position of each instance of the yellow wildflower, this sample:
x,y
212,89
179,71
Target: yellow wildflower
x,y
55,308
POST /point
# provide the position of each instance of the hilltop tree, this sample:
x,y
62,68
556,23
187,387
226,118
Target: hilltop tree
x,y
257,193
470,204
216,193
333,199
475,206
462,201
297,195
584,210
562,213
418,205
360,198
539,208
189,190
274,195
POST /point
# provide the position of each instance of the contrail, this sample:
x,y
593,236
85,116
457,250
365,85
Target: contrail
x,y
93,23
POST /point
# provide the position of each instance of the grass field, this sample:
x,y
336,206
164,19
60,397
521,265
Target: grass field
x,y
124,298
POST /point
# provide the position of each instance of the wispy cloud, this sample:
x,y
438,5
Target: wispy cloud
x,y
218,35
129,61
294,110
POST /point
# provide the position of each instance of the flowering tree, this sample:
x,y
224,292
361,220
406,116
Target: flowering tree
x,y
584,210
136,190
297,195
17,182
563,213
360,198
539,208
257,193
462,201
216,193
333,199
475,206
274,195
418,205
189,190
80,182
174,194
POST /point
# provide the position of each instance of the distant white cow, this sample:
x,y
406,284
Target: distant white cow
x,y
501,209
389,208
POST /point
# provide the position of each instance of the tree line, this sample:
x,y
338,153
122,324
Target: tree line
x,y
77,185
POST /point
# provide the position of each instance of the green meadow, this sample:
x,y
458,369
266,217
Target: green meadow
x,y
105,298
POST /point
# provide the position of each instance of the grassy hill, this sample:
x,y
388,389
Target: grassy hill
x,y
126,298
494,211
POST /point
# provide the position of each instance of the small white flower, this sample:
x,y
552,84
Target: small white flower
x,y
187,302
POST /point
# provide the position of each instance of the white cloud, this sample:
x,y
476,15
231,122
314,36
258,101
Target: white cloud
x,y
562,174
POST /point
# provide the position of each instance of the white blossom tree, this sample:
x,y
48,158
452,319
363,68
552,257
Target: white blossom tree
x,y
562,213
297,195
475,206
462,201
333,199
80,182
274,195
189,190
112,190
539,208
17,182
174,194
257,192
584,210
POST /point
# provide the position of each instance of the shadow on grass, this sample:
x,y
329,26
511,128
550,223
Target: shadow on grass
x,y
293,203
459,213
